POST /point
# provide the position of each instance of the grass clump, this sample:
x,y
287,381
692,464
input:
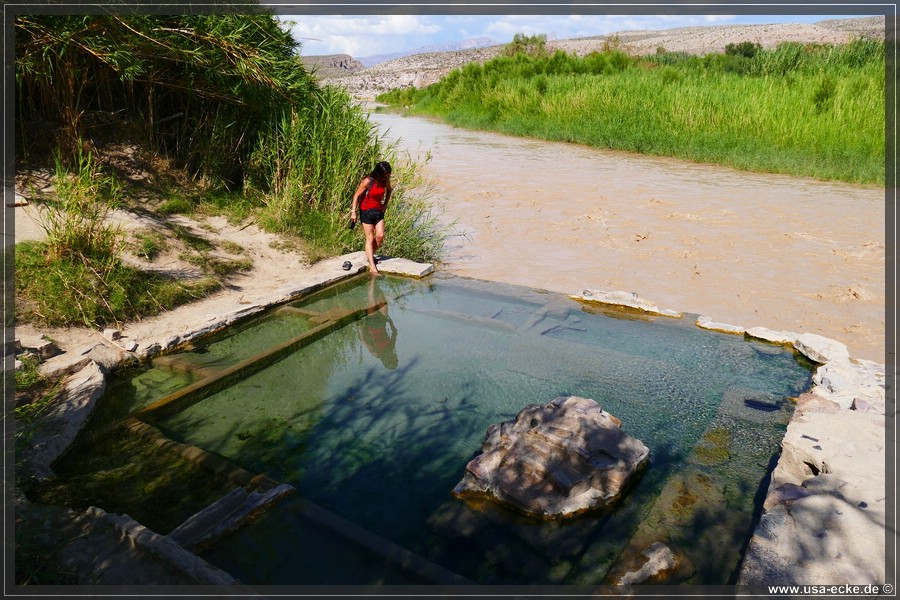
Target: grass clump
x,y
58,291
176,206
75,224
28,376
77,276
149,245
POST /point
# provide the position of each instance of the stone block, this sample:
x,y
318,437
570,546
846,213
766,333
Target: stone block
x,y
769,335
821,349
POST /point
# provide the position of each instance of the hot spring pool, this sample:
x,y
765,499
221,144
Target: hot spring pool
x,y
375,421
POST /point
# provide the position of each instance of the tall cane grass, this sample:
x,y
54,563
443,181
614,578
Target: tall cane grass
x,y
814,111
318,155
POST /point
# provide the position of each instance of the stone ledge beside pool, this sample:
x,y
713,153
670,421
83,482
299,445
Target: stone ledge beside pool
x,y
626,299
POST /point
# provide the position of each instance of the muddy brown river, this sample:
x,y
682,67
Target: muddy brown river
x,y
787,253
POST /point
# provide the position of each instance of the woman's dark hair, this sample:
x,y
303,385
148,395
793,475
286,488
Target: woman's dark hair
x,y
381,169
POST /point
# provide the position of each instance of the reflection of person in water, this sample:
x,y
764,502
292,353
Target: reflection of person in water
x,y
373,330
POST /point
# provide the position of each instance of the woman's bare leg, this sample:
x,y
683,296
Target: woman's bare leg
x,y
371,246
379,236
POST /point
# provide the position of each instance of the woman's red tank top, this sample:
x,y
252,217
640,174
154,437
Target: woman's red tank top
x,y
374,198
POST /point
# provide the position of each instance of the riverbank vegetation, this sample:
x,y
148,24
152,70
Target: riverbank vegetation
x,y
192,114
798,109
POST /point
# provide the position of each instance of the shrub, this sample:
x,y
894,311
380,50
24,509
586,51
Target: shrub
x,y
529,45
746,49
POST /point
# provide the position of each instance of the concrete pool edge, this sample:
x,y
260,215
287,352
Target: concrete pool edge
x,y
806,484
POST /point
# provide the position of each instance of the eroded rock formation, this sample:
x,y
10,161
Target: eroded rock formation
x,y
555,460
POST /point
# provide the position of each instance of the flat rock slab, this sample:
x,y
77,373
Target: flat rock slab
x,y
66,417
404,266
821,349
707,323
625,299
825,513
555,460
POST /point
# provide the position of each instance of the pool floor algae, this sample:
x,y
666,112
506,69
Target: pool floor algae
x,y
128,474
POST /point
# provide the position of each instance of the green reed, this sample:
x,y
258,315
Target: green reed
x,y
317,157
814,111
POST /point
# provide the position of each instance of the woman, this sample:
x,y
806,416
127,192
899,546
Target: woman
x,y
372,197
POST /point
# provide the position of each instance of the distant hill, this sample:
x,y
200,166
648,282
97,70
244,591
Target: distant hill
x,y
479,42
420,68
332,65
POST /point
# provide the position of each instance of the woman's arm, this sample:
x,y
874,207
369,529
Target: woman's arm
x,y
359,190
387,195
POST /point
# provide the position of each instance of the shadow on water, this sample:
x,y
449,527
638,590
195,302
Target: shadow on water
x,y
375,422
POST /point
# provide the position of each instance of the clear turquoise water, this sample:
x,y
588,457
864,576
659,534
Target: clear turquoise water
x,y
377,421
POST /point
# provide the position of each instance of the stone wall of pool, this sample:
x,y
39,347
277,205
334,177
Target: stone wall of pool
x,y
824,518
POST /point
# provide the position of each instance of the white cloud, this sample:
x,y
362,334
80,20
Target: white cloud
x,y
360,36
408,24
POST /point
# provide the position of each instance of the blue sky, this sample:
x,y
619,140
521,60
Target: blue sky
x,y
361,36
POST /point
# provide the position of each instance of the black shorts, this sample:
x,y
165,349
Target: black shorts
x,y
371,216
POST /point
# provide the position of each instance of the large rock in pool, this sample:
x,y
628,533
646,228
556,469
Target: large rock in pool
x,y
555,460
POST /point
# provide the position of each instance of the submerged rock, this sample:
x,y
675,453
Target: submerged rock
x,y
658,562
555,460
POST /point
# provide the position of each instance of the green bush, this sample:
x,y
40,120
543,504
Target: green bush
x,y
746,49
530,45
